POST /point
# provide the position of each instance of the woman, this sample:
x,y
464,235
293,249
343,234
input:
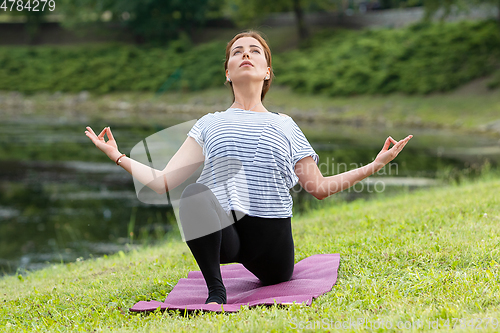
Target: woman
x,y
245,221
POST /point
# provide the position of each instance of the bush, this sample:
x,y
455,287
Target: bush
x,y
422,58
495,80
110,67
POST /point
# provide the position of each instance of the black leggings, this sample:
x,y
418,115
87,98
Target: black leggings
x,y
263,245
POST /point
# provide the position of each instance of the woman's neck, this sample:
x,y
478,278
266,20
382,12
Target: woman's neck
x,y
248,98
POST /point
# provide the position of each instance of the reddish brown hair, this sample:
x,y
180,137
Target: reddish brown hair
x,y
267,53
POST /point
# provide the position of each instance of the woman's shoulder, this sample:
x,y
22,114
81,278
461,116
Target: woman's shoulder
x,y
282,114
212,115
285,119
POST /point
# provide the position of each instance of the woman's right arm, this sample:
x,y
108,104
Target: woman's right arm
x,y
180,167
313,181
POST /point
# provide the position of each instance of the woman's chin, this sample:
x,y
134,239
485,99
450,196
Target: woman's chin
x,y
246,79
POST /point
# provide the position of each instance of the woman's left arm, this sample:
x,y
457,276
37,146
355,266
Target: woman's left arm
x,y
311,179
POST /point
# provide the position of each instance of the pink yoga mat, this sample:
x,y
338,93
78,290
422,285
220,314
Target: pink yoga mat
x,y
312,277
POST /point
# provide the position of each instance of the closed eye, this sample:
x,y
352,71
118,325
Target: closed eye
x,y
252,51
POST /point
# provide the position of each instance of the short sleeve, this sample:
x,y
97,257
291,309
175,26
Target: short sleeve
x,y
198,130
300,145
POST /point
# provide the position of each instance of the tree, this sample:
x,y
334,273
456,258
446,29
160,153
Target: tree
x,y
247,11
432,6
33,18
154,21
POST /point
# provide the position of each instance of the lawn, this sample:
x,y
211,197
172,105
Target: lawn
x,y
421,260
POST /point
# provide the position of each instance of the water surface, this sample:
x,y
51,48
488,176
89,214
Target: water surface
x,y
62,199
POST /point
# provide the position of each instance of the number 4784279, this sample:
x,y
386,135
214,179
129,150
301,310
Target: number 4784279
x,y
30,6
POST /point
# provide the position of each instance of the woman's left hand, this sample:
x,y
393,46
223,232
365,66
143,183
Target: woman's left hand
x,y
110,148
386,155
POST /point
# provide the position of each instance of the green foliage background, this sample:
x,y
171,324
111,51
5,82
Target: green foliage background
x,y
154,21
110,67
422,58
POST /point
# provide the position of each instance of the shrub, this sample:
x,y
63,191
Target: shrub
x,y
420,59
110,67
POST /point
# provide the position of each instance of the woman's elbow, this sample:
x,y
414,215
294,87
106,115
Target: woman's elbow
x,y
315,189
160,191
158,186
319,196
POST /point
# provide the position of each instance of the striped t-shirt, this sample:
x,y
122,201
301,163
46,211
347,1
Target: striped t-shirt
x,y
250,159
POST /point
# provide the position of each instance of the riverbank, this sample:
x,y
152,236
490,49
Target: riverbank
x,y
472,108
428,256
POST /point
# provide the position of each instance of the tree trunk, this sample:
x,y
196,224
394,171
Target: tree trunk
x,y
33,29
299,16
139,39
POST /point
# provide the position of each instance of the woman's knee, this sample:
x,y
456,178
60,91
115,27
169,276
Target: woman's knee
x,y
272,273
194,189
197,212
195,196
277,277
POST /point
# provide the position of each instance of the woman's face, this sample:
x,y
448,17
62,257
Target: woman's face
x,y
247,61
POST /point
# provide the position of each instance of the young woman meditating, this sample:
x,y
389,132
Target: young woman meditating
x,y
246,218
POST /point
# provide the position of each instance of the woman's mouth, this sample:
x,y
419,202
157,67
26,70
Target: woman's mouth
x,y
246,63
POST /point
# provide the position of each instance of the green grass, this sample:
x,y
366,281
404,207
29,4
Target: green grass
x,y
429,255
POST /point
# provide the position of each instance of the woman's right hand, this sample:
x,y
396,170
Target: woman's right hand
x,y
386,155
110,147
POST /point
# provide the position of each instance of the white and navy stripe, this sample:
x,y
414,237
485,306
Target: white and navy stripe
x,y
250,158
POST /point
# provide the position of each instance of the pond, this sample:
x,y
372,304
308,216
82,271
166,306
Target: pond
x,y
62,200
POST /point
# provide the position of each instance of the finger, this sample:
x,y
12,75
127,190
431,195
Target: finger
x,y
403,143
387,143
91,130
400,145
101,135
392,140
110,135
396,149
92,137
397,145
408,138
405,140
